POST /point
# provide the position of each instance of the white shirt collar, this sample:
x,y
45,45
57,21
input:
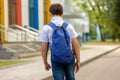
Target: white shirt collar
x,y
57,20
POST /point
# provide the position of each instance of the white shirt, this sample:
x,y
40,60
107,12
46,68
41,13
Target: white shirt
x,y
46,33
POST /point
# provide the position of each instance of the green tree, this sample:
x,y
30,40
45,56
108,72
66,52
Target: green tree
x,y
113,20
103,12
115,12
116,17
97,10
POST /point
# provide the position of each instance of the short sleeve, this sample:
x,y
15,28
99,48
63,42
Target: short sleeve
x,y
73,33
43,35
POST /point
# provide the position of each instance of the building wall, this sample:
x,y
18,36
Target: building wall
x,y
2,12
41,14
12,12
57,1
6,17
25,13
36,22
33,14
19,12
46,11
2,20
6,13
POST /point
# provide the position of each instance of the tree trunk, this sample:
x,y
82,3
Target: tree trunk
x,y
102,33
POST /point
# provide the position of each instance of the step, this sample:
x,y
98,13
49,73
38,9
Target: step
x,y
6,55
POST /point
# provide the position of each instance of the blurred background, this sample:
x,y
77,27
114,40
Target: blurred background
x,y
97,23
21,22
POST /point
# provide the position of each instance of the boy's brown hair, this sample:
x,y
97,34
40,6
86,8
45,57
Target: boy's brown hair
x,y
56,9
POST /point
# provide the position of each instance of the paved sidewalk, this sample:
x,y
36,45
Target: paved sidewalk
x,y
36,71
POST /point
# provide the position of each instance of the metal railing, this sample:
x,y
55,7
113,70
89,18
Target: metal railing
x,y
24,39
32,29
24,34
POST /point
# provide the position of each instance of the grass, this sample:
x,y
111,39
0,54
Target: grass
x,y
84,48
5,63
108,42
30,54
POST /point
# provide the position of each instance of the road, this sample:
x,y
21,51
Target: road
x,y
106,67
35,70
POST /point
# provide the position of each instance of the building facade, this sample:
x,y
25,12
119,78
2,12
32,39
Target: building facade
x,y
23,12
35,13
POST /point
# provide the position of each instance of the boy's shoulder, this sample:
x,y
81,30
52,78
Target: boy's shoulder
x,y
46,27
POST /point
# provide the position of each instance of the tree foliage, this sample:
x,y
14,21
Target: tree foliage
x,y
106,14
115,12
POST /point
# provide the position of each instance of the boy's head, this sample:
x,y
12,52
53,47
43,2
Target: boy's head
x,y
56,9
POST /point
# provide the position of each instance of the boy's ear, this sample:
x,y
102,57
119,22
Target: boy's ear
x,y
62,15
51,15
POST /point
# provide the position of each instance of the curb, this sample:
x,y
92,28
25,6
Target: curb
x,y
96,57
87,61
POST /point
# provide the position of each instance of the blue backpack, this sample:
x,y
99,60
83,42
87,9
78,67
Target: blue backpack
x,y
60,48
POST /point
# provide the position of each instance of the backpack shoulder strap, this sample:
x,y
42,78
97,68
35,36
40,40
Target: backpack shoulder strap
x,y
52,25
65,24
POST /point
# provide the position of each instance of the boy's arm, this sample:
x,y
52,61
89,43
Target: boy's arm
x,y
76,47
44,51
